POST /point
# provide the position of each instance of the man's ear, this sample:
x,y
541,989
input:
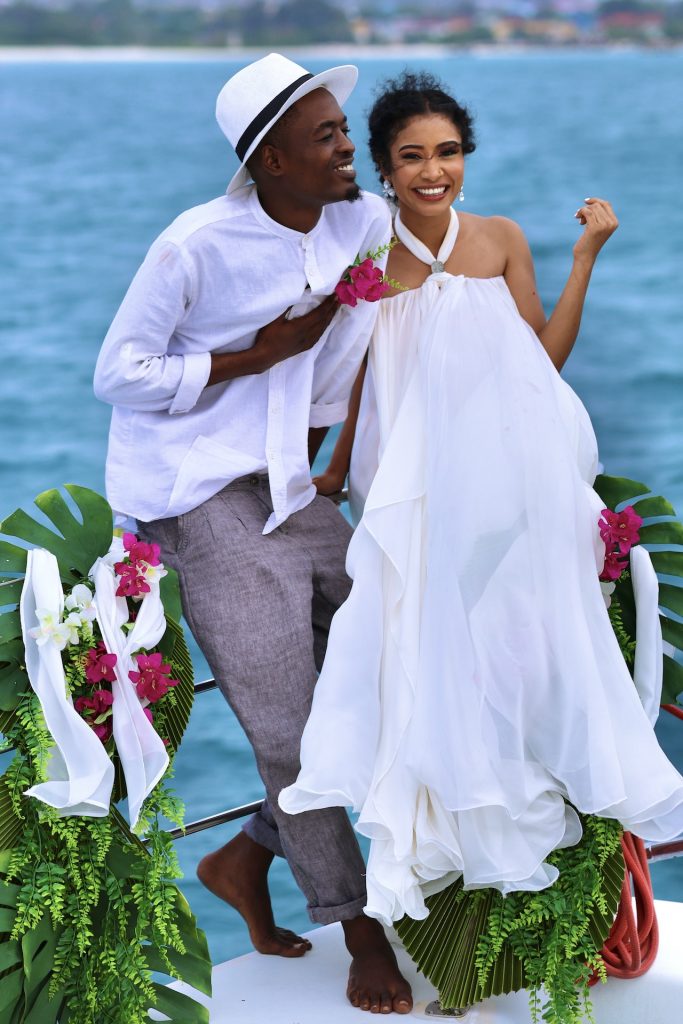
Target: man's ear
x,y
272,160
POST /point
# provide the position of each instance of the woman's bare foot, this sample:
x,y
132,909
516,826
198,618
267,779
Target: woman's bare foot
x,y
238,874
375,982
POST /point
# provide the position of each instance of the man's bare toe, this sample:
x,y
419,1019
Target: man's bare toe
x,y
291,938
402,1004
386,1003
275,947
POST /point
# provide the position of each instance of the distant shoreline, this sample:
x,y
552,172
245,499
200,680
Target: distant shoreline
x,y
103,54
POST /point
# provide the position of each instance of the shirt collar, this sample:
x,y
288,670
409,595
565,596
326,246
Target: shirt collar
x,y
280,229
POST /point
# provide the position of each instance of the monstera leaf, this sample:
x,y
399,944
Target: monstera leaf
x,y
662,534
75,542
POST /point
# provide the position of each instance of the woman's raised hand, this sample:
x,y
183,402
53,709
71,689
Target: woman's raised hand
x,y
600,222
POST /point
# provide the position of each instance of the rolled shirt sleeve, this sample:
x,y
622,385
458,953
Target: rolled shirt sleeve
x,y
137,368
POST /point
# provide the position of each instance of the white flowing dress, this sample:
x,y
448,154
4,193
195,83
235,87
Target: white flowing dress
x,y
473,683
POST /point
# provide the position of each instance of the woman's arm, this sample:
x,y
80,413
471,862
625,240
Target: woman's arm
x,y
559,332
332,480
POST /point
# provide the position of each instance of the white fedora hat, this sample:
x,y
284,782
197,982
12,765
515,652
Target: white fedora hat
x,y
251,101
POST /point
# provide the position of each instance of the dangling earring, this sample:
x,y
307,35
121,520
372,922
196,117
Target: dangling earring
x,y
461,195
389,192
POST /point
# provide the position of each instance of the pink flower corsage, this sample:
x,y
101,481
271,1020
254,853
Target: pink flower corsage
x,y
363,280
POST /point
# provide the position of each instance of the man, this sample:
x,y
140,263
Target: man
x,y
223,381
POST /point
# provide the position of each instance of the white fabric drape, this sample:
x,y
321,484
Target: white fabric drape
x,y
648,669
80,772
141,750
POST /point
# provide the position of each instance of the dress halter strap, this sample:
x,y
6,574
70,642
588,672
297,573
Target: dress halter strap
x,y
420,250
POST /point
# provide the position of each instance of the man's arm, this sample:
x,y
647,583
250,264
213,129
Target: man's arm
x,y
276,341
135,368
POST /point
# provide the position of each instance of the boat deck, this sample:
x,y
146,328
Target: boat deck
x,y
255,989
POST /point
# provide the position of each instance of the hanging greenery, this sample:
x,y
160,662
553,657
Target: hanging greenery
x,y
477,944
92,924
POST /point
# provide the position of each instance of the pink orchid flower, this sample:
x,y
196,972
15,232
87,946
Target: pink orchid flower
x,y
152,680
132,580
613,567
620,529
96,711
99,665
139,551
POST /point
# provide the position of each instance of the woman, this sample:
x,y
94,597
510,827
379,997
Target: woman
x,y
473,692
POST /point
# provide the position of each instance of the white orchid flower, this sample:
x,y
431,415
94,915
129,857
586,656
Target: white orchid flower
x,y
73,624
80,600
51,629
153,573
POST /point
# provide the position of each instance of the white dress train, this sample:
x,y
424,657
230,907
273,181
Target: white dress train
x,y
473,683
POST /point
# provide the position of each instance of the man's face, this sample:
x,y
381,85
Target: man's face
x,y
315,153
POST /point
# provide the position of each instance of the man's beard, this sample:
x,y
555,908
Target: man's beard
x,y
353,193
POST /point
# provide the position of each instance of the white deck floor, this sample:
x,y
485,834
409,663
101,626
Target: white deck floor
x,y
255,989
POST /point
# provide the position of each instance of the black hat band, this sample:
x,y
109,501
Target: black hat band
x,y
266,116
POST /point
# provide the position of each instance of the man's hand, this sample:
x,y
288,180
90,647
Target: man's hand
x,y
278,340
284,338
600,223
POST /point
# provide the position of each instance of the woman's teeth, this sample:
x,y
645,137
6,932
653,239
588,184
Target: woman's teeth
x,y
346,168
432,191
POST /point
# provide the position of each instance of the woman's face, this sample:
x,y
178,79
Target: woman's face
x,y
427,165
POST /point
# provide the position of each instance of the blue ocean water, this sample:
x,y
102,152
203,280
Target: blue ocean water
x,y
96,158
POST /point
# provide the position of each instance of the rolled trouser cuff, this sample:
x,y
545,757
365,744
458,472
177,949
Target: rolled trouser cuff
x,y
260,829
345,912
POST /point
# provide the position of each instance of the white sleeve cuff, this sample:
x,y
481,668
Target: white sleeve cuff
x,y
323,415
196,370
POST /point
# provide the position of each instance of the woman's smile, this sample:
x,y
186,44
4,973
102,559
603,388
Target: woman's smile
x,y
431,193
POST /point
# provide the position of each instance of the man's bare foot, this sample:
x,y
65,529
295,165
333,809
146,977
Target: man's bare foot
x,y
238,874
375,982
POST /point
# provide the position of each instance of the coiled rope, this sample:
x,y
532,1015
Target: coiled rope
x,y
631,946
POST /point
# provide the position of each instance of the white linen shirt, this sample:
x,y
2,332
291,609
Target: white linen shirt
x,y
209,282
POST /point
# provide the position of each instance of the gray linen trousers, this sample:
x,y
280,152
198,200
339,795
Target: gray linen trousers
x,y
260,608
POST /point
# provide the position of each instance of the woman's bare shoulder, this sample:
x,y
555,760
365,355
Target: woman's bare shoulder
x,y
496,227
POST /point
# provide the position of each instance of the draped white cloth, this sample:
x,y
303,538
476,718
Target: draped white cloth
x,y
80,772
473,682
140,748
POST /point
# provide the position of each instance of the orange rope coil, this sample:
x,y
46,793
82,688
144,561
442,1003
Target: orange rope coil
x,y
631,947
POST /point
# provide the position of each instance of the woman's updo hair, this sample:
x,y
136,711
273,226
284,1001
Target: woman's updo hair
x,y
408,96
